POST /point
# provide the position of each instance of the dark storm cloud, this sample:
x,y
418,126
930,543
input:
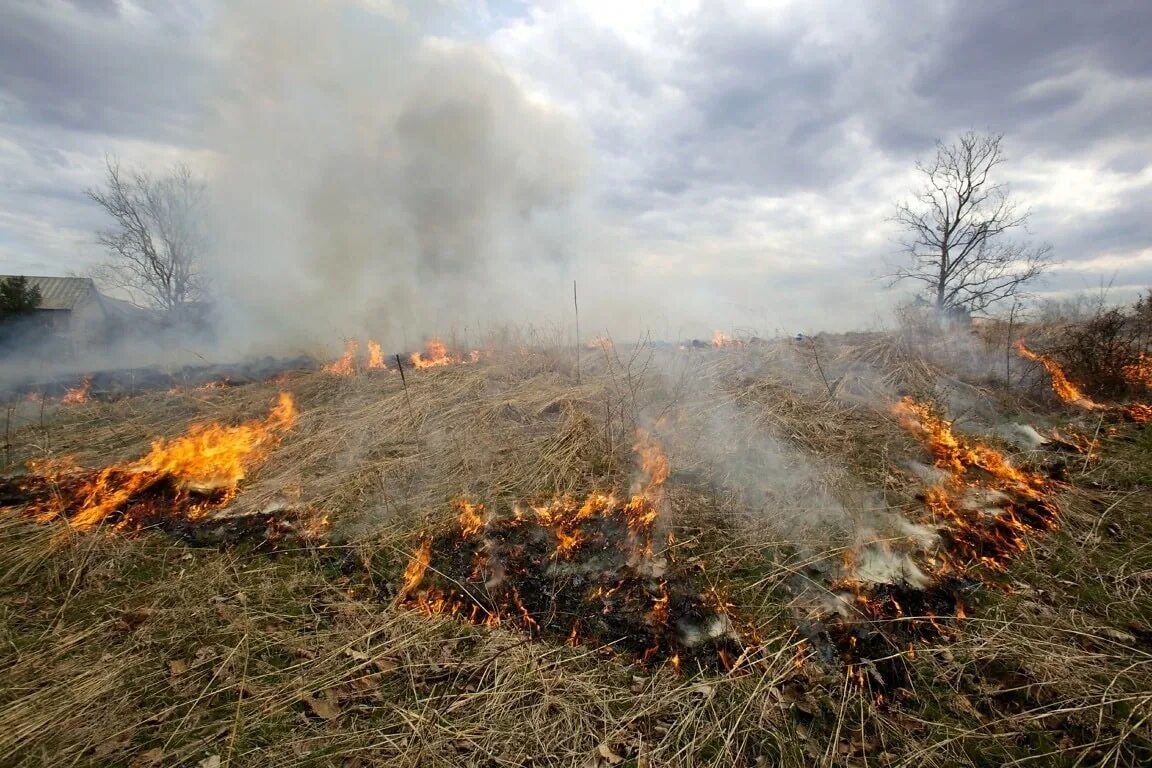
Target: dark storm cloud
x,y
86,67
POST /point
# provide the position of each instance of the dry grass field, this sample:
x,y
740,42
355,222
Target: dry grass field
x,y
793,597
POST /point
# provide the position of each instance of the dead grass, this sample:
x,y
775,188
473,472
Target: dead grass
x,y
140,651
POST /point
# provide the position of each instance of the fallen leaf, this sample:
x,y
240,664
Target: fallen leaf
x,y
384,665
112,746
212,761
131,619
145,759
177,667
606,752
323,708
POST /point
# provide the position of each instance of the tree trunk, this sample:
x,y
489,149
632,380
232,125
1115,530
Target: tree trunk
x,y
942,279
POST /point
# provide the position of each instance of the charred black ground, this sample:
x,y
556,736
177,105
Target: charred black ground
x,y
193,516
607,591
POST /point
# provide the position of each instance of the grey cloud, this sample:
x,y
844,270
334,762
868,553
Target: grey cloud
x,y
103,72
105,7
997,51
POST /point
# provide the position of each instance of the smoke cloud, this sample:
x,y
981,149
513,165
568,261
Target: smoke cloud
x,y
373,179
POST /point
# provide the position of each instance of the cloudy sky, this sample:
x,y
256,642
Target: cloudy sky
x,y
738,160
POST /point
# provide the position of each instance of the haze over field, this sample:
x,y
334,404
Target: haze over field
x,y
401,169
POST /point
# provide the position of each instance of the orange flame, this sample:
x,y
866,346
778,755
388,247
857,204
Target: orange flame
x,y
1141,413
375,356
436,354
346,365
492,568
210,385
986,536
721,339
1067,391
1139,374
470,517
208,457
417,565
78,394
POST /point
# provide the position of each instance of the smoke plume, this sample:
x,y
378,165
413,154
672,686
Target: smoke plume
x,y
374,179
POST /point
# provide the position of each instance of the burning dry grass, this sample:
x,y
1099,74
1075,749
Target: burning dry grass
x,y
137,650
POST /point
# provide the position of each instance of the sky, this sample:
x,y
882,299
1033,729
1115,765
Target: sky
x,y
690,164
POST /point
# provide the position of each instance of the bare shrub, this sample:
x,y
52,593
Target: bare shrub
x,y
1095,353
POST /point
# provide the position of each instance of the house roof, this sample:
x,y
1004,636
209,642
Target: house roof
x,y
60,292
125,310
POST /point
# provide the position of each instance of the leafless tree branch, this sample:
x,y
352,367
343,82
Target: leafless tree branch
x,y
156,242
955,229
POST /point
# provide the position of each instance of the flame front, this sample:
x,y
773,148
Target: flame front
x,y
578,569
78,394
375,356
1067,391
1135,374
984,511
721,339
436,355
1139,373
346,364
209,460
985,507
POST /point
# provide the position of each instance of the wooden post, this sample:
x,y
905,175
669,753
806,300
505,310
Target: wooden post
x,y
576,306
407,397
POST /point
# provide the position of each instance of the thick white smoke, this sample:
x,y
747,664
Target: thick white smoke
x,y
376,180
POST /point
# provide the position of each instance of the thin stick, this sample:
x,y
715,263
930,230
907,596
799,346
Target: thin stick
x,y
44,429
576,306
407,398
8,438
1008,351
816,357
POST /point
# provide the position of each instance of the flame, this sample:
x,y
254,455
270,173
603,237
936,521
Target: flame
x,y
436,355
654,467
1067,391
984,511
1141,413
603,343
987,507
470,517
375,356
346,365
1136,374
417,565
78,394
1139,374
580,569
721,339
209,458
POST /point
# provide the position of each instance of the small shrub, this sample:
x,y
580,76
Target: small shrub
x,y
1095,353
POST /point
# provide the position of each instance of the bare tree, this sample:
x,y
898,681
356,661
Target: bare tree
x,y
156,242
956,226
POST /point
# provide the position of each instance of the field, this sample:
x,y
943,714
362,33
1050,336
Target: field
x,y
773,584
